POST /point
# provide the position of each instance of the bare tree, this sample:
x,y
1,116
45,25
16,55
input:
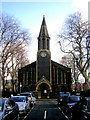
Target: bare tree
x,y
68,61
18,59
73,40
12,44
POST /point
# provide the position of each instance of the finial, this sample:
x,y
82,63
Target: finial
x,y
43,16
43,22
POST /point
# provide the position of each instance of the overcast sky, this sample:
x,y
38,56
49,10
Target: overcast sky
x,y
30,15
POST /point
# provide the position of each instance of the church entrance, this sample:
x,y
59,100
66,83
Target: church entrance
x,y
44,89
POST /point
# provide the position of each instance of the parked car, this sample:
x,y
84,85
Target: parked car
x,y
71,102
31,97
82,110
23,103
62,98
9,110
87,110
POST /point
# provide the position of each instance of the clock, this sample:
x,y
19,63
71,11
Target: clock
x,y
43,54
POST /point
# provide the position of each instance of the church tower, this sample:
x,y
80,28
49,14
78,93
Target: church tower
x,y
43,64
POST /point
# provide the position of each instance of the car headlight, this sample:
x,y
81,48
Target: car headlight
x,y
22,107
60,99
29,98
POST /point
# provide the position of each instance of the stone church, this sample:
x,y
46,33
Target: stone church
x,y
44,75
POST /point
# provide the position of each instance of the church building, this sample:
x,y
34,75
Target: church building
x,y
44,75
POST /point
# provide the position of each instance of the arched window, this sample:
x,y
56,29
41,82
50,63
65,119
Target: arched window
x,y
43,43
38,44
47,44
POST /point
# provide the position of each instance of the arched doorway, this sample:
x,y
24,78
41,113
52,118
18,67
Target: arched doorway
x,y
44,88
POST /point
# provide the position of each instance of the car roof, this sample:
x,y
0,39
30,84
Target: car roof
x,y
73,96
26,93
18,96
4,98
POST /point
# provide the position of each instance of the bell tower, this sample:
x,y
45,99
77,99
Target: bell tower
x,y
43,64
43,55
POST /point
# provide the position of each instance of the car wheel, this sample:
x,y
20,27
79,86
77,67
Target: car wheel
x,y
25,112
71,116
17,117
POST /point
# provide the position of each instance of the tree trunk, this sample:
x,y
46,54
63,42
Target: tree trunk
x,y
3,80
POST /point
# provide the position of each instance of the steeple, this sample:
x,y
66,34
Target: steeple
x,y
43,39
43,22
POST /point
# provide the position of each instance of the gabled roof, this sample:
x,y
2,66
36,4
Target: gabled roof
x,y
33,65
60,66
27,67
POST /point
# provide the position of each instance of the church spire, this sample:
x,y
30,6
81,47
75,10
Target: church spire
x,y
43,22
43,39
43,30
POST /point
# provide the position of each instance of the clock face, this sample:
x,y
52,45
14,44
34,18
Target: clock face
x,y
43,54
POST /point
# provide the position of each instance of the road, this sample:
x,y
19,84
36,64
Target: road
x,y
45,110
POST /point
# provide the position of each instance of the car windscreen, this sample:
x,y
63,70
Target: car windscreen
x,y
18,99
64,94
73,99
